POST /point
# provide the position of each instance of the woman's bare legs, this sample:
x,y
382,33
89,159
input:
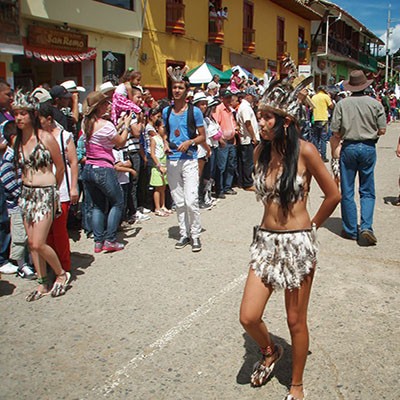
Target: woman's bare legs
x,y
41,253
296,302
254,300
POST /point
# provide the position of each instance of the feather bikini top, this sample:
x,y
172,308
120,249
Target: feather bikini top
x,y
266,193
38,159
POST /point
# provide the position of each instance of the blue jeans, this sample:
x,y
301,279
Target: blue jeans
x,y
108,201
357,157
5,237
226,167
319,137
246,165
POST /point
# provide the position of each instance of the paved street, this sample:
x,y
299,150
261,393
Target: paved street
x,y
152,322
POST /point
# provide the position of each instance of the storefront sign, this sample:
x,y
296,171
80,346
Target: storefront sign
x,y
304,70
56,39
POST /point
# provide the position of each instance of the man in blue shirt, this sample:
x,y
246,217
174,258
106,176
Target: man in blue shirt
x,y
185,130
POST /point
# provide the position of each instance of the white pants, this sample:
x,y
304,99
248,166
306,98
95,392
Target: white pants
x,y
183,180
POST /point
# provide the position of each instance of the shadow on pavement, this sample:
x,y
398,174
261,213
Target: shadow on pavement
x,y
391,200
173,233
334,224
6,288
79,262
283,369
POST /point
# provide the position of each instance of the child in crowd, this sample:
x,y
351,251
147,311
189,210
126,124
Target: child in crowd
x,y
11,180
135,152
123,97
158,177
124,169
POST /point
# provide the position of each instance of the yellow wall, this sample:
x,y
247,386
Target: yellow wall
x,y
159,46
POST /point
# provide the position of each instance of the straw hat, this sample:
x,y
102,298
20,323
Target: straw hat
x,y
199,96
93,100
106,87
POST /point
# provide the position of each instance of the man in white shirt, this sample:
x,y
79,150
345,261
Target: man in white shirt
x,y
249,138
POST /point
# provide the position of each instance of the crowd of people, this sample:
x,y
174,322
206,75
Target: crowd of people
x,y
121,155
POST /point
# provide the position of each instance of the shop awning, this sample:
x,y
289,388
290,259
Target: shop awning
x,y
65,56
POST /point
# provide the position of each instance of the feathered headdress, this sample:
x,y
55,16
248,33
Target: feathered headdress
x,y
281,96
177,74
24,101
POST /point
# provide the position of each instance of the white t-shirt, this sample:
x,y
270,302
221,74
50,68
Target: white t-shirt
x,y
246,113
123,177
67,136
121,89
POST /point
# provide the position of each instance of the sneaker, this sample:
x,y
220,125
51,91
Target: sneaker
x,y
26,272
8,268
182,242
98,247
205,206
230,191
112,246
220,196
196,245
367,238
139,217
145,210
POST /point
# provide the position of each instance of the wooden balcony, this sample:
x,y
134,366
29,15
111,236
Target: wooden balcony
x,y
175,21
281,48
216,30
249,41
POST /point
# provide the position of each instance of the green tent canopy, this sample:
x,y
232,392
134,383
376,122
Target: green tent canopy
x,y
203,74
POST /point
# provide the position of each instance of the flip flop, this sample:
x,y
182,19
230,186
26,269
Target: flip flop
x,y
58,288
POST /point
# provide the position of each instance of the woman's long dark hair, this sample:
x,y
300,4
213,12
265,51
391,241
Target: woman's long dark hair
x,y
286,143
18,140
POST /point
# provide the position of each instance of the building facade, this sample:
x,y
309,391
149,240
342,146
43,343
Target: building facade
x,y
340,44
255,34
88,41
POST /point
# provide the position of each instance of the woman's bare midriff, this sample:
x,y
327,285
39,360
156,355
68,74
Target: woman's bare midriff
x,y
297,217
42,177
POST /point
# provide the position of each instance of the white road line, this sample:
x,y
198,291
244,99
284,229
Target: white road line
x,y
119,376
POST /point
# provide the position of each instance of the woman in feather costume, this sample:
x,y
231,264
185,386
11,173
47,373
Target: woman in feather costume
x,y
284,248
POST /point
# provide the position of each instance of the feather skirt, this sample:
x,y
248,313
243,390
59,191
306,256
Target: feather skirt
x,y
37,201
283,259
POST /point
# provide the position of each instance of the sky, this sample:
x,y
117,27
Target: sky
x,y
374,15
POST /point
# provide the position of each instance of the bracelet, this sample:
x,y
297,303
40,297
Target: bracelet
x,y
192,143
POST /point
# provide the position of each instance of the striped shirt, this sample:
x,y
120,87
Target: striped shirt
x,y
11,180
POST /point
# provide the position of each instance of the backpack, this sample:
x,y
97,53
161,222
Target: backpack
x,y
191,124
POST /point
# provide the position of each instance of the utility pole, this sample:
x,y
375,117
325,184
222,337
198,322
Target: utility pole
x,y
387,49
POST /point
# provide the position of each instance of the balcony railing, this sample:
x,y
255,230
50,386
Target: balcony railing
x,y
175,18
216,30
249,41
281,48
